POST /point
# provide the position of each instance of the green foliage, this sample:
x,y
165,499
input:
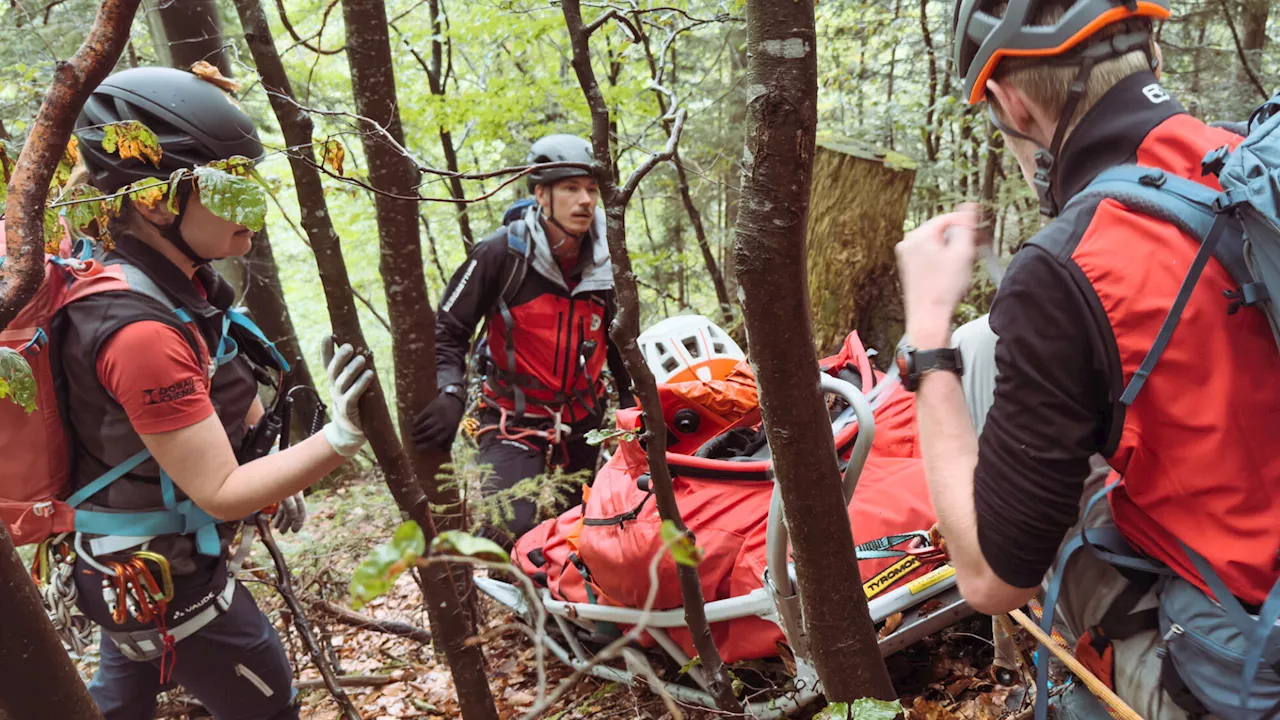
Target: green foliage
x,y
456,542
17,384
81,214
234,198
599,436
52,230
378,572
862,709
683,549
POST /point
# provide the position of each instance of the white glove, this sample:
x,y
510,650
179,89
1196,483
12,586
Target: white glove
x,y
346,384
291,515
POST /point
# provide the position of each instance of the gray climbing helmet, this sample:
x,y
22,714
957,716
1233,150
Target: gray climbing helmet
x,y
558,148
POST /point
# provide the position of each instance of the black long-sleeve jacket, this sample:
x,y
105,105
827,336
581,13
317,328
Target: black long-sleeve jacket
x,y
547,338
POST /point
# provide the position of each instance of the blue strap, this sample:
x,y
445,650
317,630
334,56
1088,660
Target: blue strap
x,y
1108,544
1175,312
1046,623
167,491
107,478
1182,202
1256,631
183,315
238,318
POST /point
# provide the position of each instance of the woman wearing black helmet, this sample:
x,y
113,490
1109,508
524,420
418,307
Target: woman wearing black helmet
x,y
158,395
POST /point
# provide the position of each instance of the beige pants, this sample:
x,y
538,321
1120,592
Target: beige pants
x,y
1089,585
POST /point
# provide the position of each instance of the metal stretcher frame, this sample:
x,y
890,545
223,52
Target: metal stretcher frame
x,y
778,601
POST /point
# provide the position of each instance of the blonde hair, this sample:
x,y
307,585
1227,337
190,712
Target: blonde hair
x,y
1048,85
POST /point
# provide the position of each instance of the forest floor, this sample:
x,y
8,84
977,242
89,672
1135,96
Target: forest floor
x,y
947,676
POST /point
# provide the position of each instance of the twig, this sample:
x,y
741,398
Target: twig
x,y
52,53
1119,708
654,160
300,622
1244,60
288,26
346,681
364,622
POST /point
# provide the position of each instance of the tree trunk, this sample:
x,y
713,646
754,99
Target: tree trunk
x,y
770,256
443,607
73,80
412,319
625,330
39,679
192,32
857,209
264,296
930,135
1253,37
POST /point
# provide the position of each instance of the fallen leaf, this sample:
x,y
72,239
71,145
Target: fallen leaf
x,y
891,623
210,73
521,698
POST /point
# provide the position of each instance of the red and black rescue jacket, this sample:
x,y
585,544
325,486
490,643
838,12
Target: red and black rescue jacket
x,y
548,336
1080,307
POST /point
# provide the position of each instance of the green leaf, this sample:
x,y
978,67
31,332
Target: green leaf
x,y
378,572
683,548
696,661
53,231
863,709
457,542
17,384
81,214
132,139
237,165
236,199
598,436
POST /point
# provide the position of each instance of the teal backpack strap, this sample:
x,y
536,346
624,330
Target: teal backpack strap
x,y
108,477
236,317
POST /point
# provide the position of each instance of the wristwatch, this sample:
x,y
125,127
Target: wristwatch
x,y
456,391
913,364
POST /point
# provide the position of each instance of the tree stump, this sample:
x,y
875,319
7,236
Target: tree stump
x,y
856,212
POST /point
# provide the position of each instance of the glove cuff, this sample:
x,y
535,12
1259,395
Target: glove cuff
x,y
343,441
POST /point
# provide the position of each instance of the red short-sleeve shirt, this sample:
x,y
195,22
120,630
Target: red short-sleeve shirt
x,y
156,377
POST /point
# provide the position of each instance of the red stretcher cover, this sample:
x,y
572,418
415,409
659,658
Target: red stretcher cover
x,y
600,551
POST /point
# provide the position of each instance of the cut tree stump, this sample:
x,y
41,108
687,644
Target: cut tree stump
x,y
857,208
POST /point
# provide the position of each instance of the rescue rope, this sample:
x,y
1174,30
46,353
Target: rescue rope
x,y
1117,707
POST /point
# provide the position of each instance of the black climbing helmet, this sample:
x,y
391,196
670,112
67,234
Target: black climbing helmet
x,y
558,148
194,120
982,40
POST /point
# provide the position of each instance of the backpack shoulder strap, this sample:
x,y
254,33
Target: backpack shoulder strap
x,y
519,249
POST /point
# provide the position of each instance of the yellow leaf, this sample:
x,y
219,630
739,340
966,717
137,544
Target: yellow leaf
x,y
334,154
149,192
212,74
132,140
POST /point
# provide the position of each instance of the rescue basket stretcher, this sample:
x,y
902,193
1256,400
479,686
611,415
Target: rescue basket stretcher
x,y
776,601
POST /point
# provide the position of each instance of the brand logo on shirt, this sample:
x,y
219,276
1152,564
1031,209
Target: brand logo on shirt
x,y
169,393
595,323
1155,93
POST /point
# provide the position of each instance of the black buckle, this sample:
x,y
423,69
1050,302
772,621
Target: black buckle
x,y
1246,295
1154,179
1214,161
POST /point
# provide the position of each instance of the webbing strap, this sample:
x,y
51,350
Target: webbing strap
x,y
107,478
510,322
1175,312
1046,624
1257,631
242,320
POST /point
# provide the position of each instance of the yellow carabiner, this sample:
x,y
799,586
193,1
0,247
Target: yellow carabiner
x,y
166,575
40,563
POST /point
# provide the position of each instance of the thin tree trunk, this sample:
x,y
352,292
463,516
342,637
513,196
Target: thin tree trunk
x,y
1246,70
930,136
443,607
893,64
39,680
192,32
73,80
1253,36
770,256
625,329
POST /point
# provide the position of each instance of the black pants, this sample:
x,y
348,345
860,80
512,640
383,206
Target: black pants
x,y
235,666
515,460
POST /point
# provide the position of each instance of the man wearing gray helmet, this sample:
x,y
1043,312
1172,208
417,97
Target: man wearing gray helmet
x,y
543,287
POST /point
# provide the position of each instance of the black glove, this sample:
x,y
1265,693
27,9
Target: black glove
x,y
435,427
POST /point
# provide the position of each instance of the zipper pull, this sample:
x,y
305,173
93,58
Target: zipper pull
x,y
1174,631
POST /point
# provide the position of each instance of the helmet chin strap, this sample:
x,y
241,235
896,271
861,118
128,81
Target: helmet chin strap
x,y
1046,158
173,231
551,217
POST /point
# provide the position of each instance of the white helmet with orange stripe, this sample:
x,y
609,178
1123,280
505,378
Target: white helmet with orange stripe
x,y
689,347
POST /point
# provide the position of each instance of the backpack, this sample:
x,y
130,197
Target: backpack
x,y
36,501
1218,657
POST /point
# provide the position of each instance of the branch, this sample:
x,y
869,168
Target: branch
x,y
364,622
29,185
1244,60
346,681
288,26
300,623
624,195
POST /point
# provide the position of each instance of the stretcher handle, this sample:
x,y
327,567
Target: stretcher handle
x,y
866,429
